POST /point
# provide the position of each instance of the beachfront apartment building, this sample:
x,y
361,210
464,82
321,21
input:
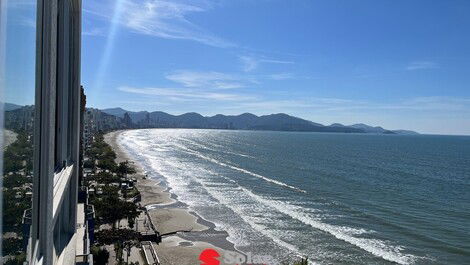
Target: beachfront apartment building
x,y
58,233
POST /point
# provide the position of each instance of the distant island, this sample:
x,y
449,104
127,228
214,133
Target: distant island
x,y
118,118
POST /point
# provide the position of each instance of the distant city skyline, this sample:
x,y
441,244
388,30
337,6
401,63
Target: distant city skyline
x,y
395,64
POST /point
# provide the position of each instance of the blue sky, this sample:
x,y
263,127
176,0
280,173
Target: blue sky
x,y
397,64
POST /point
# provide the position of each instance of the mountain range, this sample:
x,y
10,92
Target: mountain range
x,y
245,121
17,117
10,107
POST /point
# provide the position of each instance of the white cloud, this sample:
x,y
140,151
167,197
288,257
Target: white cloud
x,y
421,65
139,103
421,104
411,113
272,105
281,76
250,63
275,61
182,94
435,103
161,18
93,32
425,105
313,103
208,80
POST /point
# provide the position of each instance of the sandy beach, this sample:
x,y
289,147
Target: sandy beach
x,y
9,137
168,215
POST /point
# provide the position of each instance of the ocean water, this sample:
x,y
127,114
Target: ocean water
x,y
336,198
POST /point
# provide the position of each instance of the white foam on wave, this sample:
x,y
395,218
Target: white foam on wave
x,y
249,220
266,178
180,187
219,151
376,247
350,235
221,196
190,151
226,197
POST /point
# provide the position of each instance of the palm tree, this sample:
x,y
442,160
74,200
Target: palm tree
x,y
122,239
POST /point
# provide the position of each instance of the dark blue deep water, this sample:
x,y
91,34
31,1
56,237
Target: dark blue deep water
x,y
338,198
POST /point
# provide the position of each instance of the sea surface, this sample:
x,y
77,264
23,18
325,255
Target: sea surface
x,y
336,198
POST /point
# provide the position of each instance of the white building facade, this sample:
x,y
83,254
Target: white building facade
x,y
53,236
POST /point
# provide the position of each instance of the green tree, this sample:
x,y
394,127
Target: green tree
x,y
15,180
111,210
125,168
100,255
90,163
104,178
12,246
16,260
107,163
122,239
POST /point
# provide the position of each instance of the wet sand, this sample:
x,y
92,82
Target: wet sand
x,y
168,215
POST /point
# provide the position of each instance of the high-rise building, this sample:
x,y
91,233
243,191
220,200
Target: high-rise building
x,y
58,232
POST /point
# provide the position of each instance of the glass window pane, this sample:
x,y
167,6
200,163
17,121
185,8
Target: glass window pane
x,y
18,88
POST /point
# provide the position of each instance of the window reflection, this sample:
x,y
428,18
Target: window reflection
x,y
18,102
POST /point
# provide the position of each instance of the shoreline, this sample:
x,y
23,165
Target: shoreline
x,y
169,214
9,137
